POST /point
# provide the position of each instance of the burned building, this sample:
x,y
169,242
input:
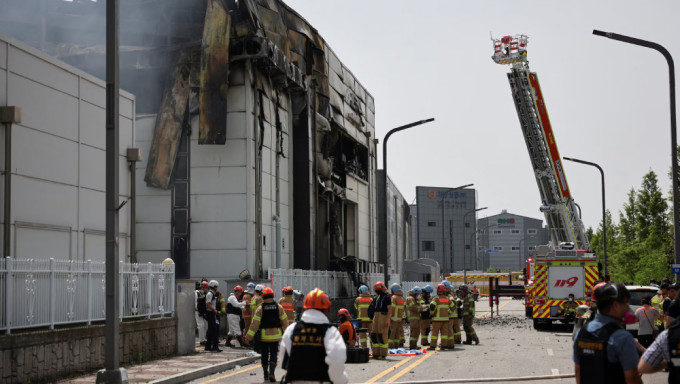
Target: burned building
x,y
259,143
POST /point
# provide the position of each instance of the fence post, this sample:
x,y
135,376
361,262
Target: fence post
x,y
173,289
89,292
53,292
149,287
9,289
121,290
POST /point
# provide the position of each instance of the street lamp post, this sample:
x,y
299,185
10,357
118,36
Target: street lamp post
x,y
674,139
465,238
486,233
383,256
443,225
519,256
604,215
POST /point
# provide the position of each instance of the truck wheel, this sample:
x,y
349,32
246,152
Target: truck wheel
x,y
529,312
537,325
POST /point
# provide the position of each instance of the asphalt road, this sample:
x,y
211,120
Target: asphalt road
x,y
509,348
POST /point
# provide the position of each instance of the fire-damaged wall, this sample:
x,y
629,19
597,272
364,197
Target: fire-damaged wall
x,y
260,141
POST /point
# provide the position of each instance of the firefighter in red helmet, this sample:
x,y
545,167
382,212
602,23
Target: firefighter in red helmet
x,y
347,331
287,303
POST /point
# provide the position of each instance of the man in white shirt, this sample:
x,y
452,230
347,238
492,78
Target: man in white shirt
x,y
199,311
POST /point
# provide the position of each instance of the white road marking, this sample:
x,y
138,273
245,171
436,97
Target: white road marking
x,y
550,352
555,371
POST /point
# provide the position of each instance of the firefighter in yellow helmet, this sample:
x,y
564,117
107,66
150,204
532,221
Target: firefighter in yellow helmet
x,y
413,311
397,321
361,304
439,311
269,320
381,321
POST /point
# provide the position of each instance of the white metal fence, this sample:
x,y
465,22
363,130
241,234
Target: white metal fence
x,y
41,293
334,283
408,285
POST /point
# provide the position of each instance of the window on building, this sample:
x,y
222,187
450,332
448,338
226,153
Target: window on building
x,y
431,223
532,231
497,248
467,246
497,231
428,245
515,248
467,225
532,248
515,231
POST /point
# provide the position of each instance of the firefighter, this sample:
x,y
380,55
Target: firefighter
x,y
199,311
361,304
270,320
381,321
657,303
247,314
257,299
458,312
397,320
439,312
287,303
568,309
313,351
413,311
453,314
349,335
468,316
424,303
234,309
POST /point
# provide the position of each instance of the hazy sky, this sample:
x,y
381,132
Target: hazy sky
x,y
608,101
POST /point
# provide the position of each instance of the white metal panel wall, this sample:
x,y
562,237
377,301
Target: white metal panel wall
x,y
58,159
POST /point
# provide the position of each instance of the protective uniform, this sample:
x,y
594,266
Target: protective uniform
x,y
657,303
397,321
439,311
211,315
413,315
449,342
312,349
424,303
287,303
457,334
568,309
381,321
270,320
234,308
468,316
349,335
199,311
257,299
247,314
361,304
591,348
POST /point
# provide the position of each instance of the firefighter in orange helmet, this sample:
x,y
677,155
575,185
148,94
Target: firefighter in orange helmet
x,y
270,320
361,304
439,312
347,331
381,321
287,303
397,321
312,349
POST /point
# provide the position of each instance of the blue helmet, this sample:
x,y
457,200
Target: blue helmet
x,y
250,285
446,284
417,290
395,287
363,289
428,288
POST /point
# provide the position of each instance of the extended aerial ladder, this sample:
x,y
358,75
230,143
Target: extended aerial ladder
x,y
558,206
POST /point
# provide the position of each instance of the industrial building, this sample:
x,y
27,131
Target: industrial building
x,y
506,240
445,221
395,243
259,144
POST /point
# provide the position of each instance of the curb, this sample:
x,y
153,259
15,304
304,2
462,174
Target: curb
x,y
205,371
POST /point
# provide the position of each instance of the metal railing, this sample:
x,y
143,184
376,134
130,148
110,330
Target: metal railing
x,y
334,283
46,293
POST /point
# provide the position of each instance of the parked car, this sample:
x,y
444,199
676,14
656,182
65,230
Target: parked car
x,y
637,293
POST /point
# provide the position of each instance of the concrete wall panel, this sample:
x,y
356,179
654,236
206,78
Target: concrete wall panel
x,y
42,243
94,216
154,209
94,245
236,125
43,156
218,207
237,98
218,180
218,235
30,66
91,93
153,236
43,108
218,263
3,54
40,201
232,154
3,85
92,131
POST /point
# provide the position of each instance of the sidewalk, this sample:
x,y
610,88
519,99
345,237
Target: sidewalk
x,y
180,369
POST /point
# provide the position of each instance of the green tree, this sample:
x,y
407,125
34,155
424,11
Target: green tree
x,y
628,218
652,214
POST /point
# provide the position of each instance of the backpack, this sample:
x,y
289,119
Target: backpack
x,y
371,309
200,302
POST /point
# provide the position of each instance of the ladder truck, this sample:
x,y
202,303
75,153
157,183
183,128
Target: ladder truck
x,y
566,265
